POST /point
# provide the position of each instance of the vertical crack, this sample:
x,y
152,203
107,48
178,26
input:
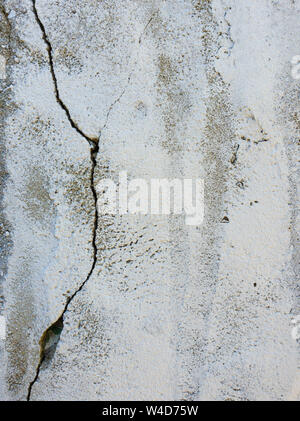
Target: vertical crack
x,y
91,141
50,337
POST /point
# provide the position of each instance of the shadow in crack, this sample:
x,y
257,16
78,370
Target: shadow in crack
x,y
51,338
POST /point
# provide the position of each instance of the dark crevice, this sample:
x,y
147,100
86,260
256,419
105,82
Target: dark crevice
x,y
50,337
235,155
92,141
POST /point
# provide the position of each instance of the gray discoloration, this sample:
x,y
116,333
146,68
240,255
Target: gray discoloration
x,y
173,101
215,148
19,327
6,106
37,200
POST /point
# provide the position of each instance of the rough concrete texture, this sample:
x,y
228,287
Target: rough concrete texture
x,y
148,307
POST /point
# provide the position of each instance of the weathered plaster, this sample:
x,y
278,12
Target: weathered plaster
x,y
143,307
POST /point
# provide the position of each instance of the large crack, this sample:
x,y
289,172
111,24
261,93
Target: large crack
x,y
94,143
57,326
59,323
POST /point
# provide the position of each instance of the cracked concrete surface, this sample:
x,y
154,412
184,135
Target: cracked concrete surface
x,y
137,307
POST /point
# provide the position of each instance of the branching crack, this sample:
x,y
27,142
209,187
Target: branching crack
x,y
130,75
55,329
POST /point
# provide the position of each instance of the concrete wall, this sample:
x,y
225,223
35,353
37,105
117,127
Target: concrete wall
x,y
136,307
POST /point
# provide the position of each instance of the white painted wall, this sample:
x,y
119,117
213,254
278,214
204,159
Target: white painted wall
x,y
162,311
